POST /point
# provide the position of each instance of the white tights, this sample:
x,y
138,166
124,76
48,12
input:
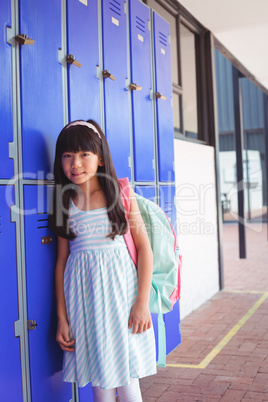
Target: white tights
x,y
128,393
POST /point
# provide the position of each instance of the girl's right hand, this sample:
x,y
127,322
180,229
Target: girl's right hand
x,y
63,338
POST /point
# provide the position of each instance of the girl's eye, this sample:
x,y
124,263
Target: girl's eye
x,y
85,154
66,155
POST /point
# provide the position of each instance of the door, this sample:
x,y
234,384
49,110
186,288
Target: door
x,y
163,94
83,43
6,131
41,86
141,81
10,363
45,354
116,103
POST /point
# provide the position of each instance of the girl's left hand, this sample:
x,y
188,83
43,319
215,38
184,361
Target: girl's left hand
x,y
139,318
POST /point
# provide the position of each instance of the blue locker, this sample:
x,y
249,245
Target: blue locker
x,y
140,53
10,364
167,203
6,131
83,43
40,251
41,85
116,102
164,112
146,191
172,319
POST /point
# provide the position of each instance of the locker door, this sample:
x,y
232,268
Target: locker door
x,y
140,51
44,352
163,85
41,85
10,365
83,43
167,203
146,191
6,131
115,93
172,319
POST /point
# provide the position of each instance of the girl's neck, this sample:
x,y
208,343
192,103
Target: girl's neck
x,y
90,195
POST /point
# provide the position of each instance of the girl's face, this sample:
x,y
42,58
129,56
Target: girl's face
x,y
80,167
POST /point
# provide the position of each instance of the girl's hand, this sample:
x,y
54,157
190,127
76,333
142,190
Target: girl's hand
x,y
139,318
63,338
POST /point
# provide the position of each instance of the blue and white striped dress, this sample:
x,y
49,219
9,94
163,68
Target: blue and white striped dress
x,y
100,287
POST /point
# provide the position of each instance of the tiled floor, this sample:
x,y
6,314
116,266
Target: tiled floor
x,y
224,351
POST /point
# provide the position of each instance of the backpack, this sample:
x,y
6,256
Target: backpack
x,y
165,288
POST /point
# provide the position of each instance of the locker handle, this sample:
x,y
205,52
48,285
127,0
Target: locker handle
x,y
24,39
70,58
135,87
159,96
107,74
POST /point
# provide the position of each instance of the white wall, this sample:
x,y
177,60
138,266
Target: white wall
x,y
196,223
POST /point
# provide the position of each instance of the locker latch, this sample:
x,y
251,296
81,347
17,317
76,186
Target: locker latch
x,y
31,324
107,74
159,96
70,58
24,39
47,240
135,87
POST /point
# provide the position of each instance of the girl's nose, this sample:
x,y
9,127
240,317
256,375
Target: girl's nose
x,y
76,161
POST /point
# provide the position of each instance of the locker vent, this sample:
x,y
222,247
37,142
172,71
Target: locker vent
x,y
163,39
115,6
140,24
43,222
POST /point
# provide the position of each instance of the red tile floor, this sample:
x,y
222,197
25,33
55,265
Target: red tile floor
x,y
224,351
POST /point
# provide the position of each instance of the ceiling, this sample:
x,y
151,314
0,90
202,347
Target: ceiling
x,y
241,26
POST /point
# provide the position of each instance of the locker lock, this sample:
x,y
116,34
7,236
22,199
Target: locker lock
x,y
159,96
70,58
31,324
135,87
107,74
24,39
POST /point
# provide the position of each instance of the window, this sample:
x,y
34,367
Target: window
x,y
188,76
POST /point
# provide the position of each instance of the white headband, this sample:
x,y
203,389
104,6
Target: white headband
x,y
84,123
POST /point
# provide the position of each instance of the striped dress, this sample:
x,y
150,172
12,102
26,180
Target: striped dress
x,y
100,287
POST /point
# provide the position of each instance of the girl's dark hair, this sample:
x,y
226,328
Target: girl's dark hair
x,y
82,138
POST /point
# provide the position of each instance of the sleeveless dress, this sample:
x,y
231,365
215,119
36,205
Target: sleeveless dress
x,y
100,287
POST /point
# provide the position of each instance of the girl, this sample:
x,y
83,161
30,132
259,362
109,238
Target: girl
x,y
104,322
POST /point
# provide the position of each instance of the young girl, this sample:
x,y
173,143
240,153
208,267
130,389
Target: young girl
x,y
104,322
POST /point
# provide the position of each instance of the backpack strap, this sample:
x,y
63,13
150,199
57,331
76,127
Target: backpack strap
x,y
125,197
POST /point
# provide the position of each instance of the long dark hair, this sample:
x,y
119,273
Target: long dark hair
x,y
82,138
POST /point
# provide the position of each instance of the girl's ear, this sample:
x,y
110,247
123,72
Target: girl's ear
x,y
101,163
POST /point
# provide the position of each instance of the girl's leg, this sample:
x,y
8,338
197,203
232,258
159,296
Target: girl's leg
x,y
131,392
103,395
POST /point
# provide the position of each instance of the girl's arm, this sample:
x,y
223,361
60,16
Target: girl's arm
x,y
140,317
62,336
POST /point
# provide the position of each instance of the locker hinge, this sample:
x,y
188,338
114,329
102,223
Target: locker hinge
x,y
18,328
149,25
153,162
10,36
125,8
12,150
31,324
151,94
129,162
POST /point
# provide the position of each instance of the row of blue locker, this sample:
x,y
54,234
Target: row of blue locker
x,y
44,355
124,83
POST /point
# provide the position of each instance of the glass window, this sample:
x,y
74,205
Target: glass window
x,y
176,112
188,72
